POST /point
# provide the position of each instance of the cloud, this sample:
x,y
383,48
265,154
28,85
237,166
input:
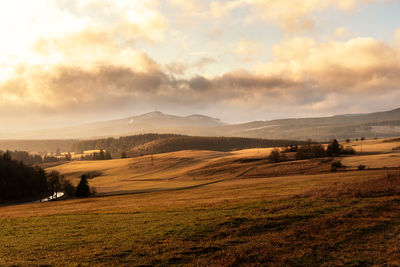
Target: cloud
x,y
137,17
358,65
81,60
304,74
176,68
202,62
180,68
397,36
291,16
342,32
50,32
191,6
248,50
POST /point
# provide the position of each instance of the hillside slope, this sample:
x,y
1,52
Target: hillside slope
x,y
223,144
378,124
188,168
216,209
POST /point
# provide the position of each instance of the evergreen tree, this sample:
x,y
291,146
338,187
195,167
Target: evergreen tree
x,y
82,190
334,148
102,155
20,182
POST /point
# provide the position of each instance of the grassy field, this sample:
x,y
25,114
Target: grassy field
x,y
212,208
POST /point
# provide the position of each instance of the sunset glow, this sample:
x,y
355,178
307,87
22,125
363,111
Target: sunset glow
x,y
236,60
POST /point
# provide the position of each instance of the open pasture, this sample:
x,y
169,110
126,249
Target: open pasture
x,y
213,208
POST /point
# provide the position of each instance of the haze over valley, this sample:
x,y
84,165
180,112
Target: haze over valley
x,y
369,125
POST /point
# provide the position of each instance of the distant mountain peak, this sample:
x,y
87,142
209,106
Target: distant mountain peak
x,y
160,121
382,124
153,114
198,116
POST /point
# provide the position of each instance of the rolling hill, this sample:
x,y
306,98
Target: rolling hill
x,y
216,209
222,144
146,144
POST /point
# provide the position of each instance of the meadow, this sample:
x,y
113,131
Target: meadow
x,y
217,208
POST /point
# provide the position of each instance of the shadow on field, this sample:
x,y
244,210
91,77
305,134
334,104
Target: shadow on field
x,y
152,190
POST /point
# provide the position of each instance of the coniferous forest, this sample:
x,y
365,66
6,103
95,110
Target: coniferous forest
x,y
20,182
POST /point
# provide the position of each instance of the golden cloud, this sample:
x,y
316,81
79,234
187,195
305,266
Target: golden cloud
x,y
248,50
304,74
359,64
342,32
288,14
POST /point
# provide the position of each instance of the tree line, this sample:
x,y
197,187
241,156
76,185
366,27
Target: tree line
x,y
312,150
101,155
28,158
20,182
117,145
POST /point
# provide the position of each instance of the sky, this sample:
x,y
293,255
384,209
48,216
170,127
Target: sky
x,y
67,62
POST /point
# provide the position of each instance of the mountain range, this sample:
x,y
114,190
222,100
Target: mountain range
x,y
370,125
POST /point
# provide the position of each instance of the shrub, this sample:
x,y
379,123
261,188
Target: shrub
x,y
361,167
336,165
310,150
69,189
275,156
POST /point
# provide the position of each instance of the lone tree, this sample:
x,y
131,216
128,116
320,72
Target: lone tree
x,y
82,190
334,148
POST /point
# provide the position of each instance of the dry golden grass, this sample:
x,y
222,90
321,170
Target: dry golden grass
x,y
387,184
388,160
374,145
219,193
236,222
211,208
185,169
141,173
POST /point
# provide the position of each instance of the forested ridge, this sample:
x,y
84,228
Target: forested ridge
x,y
117,145
159,143
223,144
